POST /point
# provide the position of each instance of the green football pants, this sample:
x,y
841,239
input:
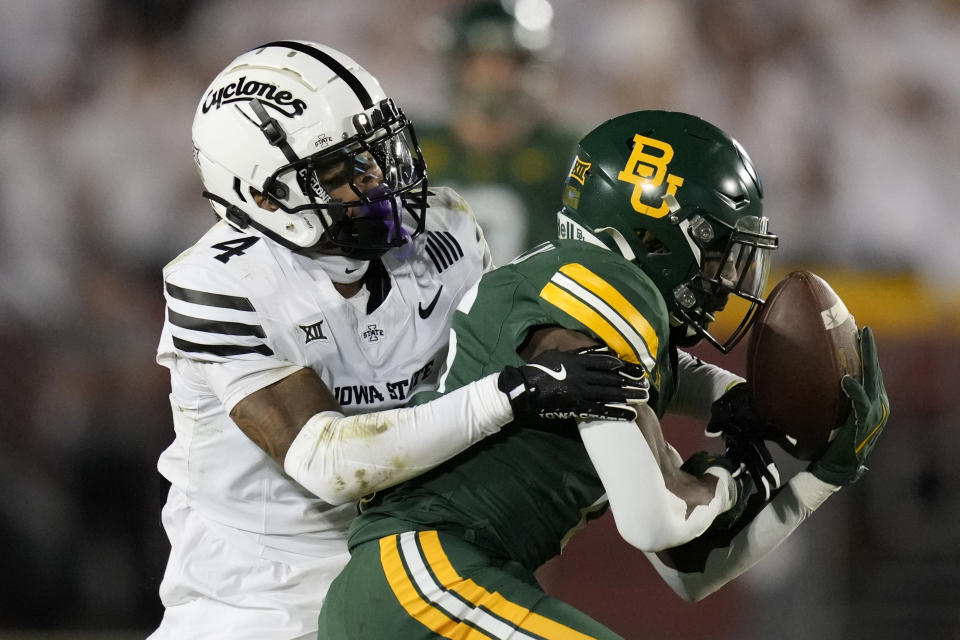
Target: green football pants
x,y
425,585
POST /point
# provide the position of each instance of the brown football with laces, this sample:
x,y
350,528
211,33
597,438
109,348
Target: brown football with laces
x,y
802,343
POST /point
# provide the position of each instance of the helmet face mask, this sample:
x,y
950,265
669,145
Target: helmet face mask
x,y
309,130
737,263
358,189
682,200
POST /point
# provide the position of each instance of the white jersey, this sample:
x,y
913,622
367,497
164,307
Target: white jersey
x,y
244,312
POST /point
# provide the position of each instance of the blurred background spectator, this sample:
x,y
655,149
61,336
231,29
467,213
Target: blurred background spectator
x,y
500,144
848,107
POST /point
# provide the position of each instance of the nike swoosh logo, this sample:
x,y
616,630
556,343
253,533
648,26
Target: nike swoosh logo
x,y
425,312
560,374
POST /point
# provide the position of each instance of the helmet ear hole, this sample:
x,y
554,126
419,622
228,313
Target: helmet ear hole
x,y
264,200
276,189
652,244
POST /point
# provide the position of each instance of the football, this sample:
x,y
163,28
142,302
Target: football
x,y
802,343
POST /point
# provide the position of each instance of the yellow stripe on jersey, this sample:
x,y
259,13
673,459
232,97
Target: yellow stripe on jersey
x,y
589,318
599,306
476,595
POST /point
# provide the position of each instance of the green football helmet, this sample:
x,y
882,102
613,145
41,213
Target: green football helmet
x,y
682,200
523,28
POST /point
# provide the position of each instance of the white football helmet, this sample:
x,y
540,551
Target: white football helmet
x,y
293,120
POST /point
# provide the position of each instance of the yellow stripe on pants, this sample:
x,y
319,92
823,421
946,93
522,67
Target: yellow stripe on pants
x,y
478,597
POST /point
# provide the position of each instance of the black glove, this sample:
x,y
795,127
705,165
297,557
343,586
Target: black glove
x,y
588,384
733,411
732,417
757,461
843,461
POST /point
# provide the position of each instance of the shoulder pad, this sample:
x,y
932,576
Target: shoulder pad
x,y
449,200
210,312
604,293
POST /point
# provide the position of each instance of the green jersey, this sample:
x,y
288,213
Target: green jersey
x,y
520,493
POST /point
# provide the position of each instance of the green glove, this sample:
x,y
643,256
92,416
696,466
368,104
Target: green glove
x,y
843,461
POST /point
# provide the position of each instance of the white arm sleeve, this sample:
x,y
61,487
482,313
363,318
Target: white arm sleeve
x,y
771,526
647,514
340,458
699,385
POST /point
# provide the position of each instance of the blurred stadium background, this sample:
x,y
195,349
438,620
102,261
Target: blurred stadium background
x,y
850,109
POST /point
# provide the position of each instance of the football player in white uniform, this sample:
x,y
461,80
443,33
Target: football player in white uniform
x,y
298,326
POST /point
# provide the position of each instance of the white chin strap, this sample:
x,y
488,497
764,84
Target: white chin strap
x,y
625,250
343,270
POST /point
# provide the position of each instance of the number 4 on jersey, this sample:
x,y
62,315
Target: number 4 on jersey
x,y
232,248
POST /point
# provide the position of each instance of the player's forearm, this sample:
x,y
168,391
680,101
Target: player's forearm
x,y
695,572
647,513
342,458
699,385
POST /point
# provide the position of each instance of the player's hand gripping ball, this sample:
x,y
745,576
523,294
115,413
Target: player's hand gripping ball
x,y
803,343
844,460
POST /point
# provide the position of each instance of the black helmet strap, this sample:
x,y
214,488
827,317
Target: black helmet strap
x,y
272,131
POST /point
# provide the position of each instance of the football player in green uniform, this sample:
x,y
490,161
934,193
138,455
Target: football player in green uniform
x,y
661,222
499,145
